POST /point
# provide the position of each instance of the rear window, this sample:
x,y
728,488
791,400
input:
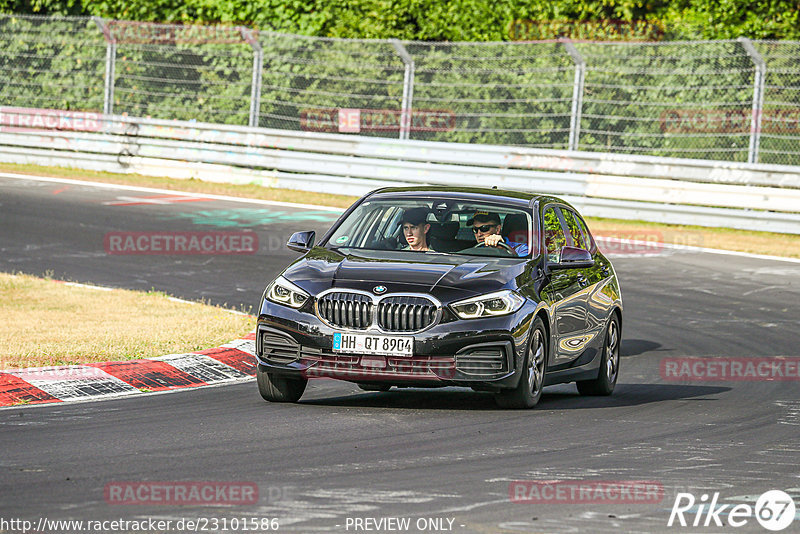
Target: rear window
x,y
576,233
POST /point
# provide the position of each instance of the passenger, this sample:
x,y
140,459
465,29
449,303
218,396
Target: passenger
x,y
486,227
415,229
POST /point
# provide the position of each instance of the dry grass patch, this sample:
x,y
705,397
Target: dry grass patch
x,y
46,322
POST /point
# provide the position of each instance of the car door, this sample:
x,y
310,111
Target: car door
x,y
599,303
564,293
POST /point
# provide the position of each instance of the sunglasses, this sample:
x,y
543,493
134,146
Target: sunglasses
x,y
485,228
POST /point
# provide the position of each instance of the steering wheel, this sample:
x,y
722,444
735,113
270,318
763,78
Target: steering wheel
x,y
505,247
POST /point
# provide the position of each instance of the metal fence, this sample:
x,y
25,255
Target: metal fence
x,y
736,100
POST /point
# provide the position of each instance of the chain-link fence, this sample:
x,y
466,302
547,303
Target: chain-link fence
x,y
51,63
163,73
780,122
668,99
306,81
725,100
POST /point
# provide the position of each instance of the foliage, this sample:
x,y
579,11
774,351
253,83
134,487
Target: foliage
x,y
435,20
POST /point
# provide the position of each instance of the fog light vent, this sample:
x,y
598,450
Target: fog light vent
x,y
278,349
482,362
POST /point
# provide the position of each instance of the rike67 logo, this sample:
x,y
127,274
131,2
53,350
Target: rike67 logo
x,y
774,510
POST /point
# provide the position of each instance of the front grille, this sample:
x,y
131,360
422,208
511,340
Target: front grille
x,y
405,313
392,313
483,362
278,349
347,310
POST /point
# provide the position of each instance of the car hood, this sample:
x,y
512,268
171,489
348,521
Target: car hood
x,y
445,275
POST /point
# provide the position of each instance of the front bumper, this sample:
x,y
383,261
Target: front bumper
x,y
480,353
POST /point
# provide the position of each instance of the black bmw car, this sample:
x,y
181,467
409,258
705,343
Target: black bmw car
x,y
500,291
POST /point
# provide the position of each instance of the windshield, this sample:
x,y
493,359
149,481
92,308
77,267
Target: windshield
x,y
444,226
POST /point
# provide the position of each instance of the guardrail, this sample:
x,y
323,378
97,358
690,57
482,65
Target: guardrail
x,y
669,190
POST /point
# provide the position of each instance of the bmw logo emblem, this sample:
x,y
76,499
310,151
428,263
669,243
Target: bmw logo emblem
x,y
379,290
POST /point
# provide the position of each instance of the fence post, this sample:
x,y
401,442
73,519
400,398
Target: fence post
x,y
408,89
577,93
111,60
758,98
251,36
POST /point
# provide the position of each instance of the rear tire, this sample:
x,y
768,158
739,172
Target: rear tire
x,y
609,366
529,390
279,388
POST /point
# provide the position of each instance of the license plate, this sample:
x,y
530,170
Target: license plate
x,y
369,344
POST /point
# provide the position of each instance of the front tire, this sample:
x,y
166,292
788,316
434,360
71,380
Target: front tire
x,y
529,390
609,366
279,388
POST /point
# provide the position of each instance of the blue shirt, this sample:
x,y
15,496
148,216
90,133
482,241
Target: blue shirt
x,y
520,248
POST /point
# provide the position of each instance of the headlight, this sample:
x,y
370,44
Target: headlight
x,y
493,304
284,292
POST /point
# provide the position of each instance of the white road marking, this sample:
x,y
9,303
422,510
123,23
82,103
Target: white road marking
x,y
791,415
339,210
167,192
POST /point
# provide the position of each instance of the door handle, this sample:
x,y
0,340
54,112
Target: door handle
x,y
582,280
605,270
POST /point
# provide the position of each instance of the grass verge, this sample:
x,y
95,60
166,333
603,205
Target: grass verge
x,y
727,239
48,322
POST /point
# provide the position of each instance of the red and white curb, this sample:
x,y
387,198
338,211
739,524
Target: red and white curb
x,y
233,361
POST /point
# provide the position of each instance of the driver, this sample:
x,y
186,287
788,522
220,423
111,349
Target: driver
x,y
486,227
415,229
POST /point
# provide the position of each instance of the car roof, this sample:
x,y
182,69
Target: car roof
x,y
467,193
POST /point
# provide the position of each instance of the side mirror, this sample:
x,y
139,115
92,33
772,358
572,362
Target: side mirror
x,y
573,258
301,241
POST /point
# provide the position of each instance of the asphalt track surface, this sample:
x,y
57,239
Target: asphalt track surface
x,y
448,454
